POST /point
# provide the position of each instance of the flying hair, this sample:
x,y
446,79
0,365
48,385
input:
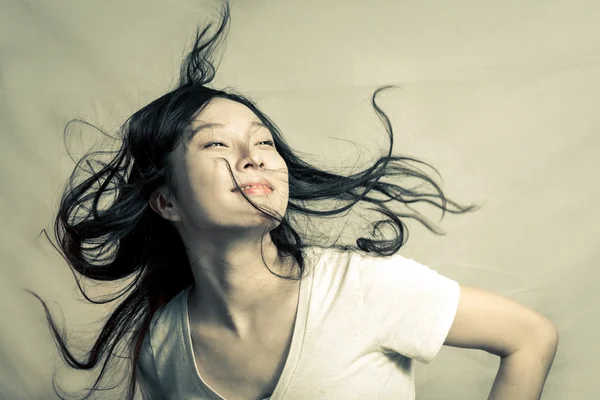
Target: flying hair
x,y
106,231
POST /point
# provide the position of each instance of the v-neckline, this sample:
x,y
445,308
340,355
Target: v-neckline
x,y
295,348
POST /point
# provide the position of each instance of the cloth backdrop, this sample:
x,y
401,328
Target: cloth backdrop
x,y
501,97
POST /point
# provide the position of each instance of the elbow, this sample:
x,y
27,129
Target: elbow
x,y
549,334
544,338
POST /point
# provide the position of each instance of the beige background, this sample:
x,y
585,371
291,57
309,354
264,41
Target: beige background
x,y
501,97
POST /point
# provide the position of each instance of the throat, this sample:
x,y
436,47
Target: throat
x,y
253,322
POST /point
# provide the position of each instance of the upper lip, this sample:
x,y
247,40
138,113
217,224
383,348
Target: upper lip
x,y
254,182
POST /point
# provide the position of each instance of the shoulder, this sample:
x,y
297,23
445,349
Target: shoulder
x,y
168,315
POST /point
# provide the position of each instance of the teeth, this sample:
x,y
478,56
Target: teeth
x,y
247,187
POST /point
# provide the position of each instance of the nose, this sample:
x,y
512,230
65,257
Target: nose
x,y
249,160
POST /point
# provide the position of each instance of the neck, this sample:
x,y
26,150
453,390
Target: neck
x,y
233,287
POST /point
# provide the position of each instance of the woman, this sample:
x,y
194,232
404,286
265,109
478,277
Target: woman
x,y
229,300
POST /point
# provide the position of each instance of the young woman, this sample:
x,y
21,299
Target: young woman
x,y
232,300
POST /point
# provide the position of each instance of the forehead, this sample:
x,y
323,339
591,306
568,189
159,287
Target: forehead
x,y
223,113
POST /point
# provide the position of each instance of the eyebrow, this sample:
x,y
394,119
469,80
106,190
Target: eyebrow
x,y
210,125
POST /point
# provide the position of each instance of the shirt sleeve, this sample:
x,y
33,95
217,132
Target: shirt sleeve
x,y
147,375
411,306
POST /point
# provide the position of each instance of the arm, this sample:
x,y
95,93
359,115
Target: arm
x,y
525,340
149,389
523,373
146,373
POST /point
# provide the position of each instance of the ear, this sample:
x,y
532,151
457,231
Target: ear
x,y
160,203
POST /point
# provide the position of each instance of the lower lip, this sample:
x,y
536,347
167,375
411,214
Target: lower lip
x,y
258,190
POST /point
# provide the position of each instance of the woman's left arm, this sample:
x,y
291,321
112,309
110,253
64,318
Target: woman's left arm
x,y
525,340
523,373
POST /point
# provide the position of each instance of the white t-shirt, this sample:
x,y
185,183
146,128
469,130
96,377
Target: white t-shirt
x,y
361,320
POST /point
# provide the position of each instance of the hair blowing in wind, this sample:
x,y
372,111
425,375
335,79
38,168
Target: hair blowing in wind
x,y
106,230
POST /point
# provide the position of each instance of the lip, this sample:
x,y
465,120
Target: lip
x,y
251,182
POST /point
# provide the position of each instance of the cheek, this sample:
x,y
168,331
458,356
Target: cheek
x,y
279,165
194,183
204,183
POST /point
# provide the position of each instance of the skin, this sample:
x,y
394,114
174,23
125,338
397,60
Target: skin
x,y
222,233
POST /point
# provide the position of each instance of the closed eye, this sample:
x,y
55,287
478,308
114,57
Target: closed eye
x,y
210,144
268,142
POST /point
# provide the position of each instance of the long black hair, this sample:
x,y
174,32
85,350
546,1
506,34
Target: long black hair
x,y
106,230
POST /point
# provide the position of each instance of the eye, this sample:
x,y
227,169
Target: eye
x,y
268,142
210,144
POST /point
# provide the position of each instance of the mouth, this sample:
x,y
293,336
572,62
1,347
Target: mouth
x,y
256,190
255,186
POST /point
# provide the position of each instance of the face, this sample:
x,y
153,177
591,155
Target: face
x,y
205,198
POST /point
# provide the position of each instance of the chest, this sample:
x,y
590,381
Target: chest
x,y
248,369
239,372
